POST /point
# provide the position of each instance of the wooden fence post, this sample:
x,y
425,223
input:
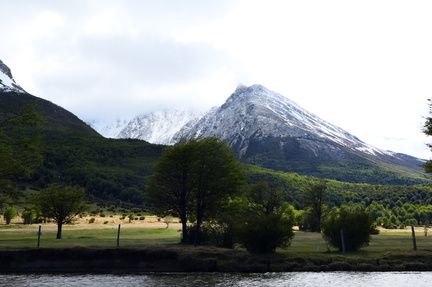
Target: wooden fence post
x,y
343,241
413,237
118,237
39,235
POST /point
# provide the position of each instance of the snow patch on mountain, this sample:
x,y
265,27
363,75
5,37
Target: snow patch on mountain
x,y
7,82
109,128
157,127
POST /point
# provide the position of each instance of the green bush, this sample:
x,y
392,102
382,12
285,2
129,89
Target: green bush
x,y
9,214
357,227
30,215
131,216
263,234
92,220
221,234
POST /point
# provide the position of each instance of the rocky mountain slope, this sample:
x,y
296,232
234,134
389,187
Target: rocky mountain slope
x,y
269,130
255,113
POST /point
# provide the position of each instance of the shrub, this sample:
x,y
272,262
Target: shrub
x,y
123,216
142,218
221,234
92,220
131,216
31,215
263,234
357,228
9,214
28,216
105,222
191,231
102,214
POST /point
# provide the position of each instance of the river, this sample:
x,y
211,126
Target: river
x,y
292,279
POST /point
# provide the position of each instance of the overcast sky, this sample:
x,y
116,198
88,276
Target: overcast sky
x,y
365,66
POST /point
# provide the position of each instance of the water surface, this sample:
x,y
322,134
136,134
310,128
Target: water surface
x,y
292,279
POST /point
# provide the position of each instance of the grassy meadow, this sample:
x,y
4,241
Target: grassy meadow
x,y
142,233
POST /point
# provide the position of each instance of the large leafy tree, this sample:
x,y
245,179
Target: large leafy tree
x,y
264,198
315,197
20,152
61,203
193,181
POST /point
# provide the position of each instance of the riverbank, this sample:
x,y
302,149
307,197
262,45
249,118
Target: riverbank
x,y
149,246
199,259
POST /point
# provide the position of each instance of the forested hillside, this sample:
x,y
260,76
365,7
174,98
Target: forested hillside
x,y
390,205
73,153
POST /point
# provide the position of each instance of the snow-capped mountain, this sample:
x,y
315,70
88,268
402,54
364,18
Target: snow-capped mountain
x,y
267,129
157,127
7,82
109,128
257,113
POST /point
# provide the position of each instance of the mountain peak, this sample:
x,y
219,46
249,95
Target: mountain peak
x,y
7,82
250,92
256,108
5,69
260,95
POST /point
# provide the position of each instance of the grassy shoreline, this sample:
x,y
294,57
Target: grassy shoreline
x,y
151,247
165,258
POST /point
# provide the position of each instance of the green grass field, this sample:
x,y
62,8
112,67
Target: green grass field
x,y
91,238
307,243
18,236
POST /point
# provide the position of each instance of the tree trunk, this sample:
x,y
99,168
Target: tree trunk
x,y
319,223
185,237
59,230
197,234
199,220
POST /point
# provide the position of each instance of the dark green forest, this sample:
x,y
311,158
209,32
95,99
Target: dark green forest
x,y
109,169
